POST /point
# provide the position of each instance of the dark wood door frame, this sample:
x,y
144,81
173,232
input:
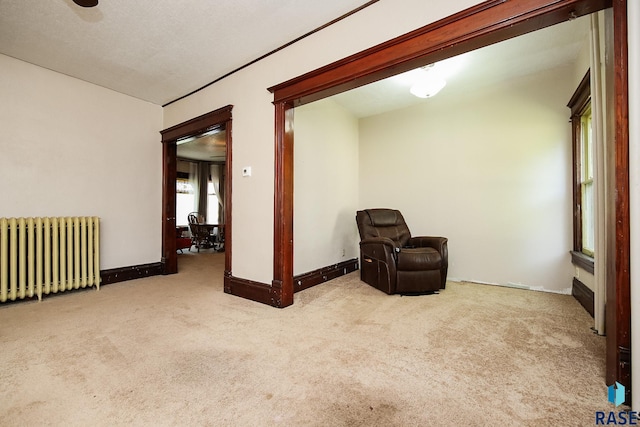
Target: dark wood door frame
x,y
478,26
618,306
193,127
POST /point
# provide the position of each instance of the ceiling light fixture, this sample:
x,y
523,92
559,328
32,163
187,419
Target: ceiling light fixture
x,y
86,3
429,82
428,86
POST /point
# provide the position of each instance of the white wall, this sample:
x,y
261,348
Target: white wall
x,y
253,113
580,68
70,148
491,171
582,63
326,186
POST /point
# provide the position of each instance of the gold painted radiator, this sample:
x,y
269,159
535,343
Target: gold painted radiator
x,y
40,256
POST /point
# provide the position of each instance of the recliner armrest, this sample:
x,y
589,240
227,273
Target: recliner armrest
x,y
427,241
437,243
380,248
379,240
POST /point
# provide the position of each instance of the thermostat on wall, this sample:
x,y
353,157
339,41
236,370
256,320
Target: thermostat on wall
x,y
246,171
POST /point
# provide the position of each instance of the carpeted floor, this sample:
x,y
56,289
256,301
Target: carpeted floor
x,y
175,350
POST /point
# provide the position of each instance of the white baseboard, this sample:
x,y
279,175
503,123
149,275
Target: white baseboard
x,y
566,291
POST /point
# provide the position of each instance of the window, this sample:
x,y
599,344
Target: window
x,y
185,200
583,186
212,204
586,184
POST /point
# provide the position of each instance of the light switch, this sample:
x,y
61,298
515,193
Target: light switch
x,y
246,171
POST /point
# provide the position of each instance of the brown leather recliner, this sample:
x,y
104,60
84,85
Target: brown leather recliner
x,y
393,261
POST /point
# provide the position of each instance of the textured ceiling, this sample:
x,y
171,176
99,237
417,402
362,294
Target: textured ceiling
x,y
156,50
161,50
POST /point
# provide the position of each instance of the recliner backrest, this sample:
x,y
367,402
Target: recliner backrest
x,y
383,223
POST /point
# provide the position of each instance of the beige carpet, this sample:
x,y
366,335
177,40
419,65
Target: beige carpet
x,y
175,350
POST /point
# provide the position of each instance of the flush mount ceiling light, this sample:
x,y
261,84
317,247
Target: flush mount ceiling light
x,y
86,3
428,87
428,83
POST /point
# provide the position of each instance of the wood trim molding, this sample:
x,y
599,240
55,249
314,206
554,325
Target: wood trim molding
x,y
195,126
255,291
112,275
228,200
322,275
583,294
486,23
578,103
169,258
283,205
272,295
284,46
581,96
618,306
583,261
122,274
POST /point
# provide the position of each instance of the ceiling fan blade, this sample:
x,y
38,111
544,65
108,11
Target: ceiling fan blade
x,y
86,3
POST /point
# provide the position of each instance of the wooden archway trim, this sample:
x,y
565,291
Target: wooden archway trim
x,y
479,26
282,285
486,23
170,136
197,125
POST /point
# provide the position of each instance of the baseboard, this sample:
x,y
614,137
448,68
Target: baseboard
x,y
513,285
584,295
583,261
248,289
271,294
123,274
324,274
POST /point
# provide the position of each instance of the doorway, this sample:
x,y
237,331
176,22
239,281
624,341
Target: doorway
x,y
479,26
217,123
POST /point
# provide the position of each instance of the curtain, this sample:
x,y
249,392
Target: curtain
x,y
199,180
217,178
201,195
604,164
194,180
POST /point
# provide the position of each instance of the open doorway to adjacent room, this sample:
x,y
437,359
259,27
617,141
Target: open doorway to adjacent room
x,y
479,26
200,177
196,187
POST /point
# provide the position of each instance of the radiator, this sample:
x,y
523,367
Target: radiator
x,y
41,256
